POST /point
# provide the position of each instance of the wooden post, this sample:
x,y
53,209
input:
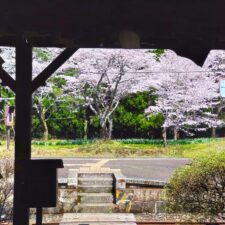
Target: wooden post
x,y
39,216
23,126
8,138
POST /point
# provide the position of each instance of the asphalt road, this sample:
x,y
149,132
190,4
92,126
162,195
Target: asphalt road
x,y
156,169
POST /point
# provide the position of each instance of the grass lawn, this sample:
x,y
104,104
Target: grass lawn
x,y
190,148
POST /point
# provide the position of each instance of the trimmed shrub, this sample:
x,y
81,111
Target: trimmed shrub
x,y
199,189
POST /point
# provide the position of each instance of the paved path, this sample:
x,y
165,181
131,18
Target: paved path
x,y
156,169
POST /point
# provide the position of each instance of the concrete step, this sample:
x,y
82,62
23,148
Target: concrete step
x,y
95,175
95,188
95,181
99,223
98,219
95,198
95,208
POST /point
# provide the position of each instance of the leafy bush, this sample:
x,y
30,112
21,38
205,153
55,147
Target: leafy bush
x,y
199,189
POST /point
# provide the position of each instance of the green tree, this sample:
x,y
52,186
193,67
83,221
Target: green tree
x,y
130,120
68,120
46,102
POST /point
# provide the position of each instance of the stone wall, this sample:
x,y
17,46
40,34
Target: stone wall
x,y
67,201
140,200
133,200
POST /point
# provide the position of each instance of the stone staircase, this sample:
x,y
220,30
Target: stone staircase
x,y
95,192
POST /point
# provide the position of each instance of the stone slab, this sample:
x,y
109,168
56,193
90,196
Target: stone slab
x,y
98,217
72,178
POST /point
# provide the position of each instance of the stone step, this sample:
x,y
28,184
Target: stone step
x,y
95,198
95,208
95,181
100,223
95,188
95,175
98,217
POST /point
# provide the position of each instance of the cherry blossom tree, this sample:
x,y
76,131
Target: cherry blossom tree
x,y
101,77
105,85
215,62
45,98
186,101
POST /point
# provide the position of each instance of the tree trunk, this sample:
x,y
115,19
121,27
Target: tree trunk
x,y
43,121
44,125
164,136
45,134
110,128
104,133
85,129
175,133
104,130
213,135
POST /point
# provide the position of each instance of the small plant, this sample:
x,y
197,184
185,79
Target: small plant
x,y
109,211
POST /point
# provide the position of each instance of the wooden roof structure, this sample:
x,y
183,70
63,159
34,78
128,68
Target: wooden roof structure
x,y
190,27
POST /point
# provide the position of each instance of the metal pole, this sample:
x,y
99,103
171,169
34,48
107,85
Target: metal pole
x,y
39,216
23,127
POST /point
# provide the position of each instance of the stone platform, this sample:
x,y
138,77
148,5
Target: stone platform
x,y
98,219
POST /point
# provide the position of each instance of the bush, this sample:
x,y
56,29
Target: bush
x,y
199,189
6,189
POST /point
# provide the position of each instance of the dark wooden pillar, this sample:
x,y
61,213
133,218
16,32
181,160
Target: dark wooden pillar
x,y
23,126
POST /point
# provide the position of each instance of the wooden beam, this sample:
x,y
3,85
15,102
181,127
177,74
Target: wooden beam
x,y
50,69
23,127
7,80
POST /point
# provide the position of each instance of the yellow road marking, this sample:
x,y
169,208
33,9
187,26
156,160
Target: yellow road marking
x,y
100,163
96,165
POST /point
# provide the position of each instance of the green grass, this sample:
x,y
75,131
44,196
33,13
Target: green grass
x,y
170,142
188,148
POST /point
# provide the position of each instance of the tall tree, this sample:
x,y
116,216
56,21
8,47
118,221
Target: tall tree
x,y
186,101
215,62
104,90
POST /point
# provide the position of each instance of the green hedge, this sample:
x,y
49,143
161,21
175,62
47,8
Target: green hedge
x,y
65,142
170,142
128,141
